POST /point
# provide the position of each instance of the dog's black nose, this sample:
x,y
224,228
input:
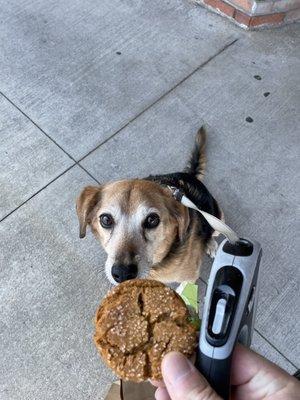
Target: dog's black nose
x,y
123,273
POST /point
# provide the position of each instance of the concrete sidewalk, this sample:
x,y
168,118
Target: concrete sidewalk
x,y
92,92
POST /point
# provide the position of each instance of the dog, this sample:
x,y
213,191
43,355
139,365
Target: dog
x,y
145,232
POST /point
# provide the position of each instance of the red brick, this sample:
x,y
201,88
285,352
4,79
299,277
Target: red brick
x,y
242,18
221,6
246,5
271,19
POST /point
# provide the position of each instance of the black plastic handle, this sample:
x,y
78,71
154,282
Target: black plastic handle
x,y
216,372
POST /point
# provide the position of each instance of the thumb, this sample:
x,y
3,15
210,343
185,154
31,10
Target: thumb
x,y
183,381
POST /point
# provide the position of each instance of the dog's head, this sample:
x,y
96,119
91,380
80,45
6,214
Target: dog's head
x,y
136,221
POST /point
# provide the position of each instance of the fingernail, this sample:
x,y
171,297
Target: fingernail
x,y
175,366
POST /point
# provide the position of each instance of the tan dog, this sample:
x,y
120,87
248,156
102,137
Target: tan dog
x,y
144,230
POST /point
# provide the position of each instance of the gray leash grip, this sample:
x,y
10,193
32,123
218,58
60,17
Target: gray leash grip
x,y
229,310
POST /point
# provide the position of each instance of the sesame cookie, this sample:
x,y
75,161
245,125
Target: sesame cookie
x,y
137,323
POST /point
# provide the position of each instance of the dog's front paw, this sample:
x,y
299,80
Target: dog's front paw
x,y
211,248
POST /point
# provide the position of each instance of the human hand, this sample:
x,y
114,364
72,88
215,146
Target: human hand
x,y
252,378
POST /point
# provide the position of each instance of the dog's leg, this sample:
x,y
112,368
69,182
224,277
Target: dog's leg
x,y
212,247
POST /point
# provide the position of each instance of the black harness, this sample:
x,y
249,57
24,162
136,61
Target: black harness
x,y
197,192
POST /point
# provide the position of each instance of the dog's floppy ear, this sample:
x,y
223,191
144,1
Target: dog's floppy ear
x,y
183,221
85,203
182,216
179,212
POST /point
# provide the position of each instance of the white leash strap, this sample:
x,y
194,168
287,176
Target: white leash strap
x,y
214,222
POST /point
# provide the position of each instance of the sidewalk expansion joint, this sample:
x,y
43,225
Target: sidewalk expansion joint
x,y
162,96
77,162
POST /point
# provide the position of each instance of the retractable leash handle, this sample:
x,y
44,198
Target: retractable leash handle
x,y
229,310
230,302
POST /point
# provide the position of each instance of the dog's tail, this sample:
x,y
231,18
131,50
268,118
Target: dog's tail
x,y
197,163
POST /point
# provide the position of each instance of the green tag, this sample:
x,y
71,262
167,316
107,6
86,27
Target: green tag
x,y
189,294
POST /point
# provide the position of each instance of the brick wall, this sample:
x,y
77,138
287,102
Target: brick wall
x,y
254,14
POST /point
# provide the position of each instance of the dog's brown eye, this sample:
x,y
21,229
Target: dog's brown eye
x,y
151,221
106,221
